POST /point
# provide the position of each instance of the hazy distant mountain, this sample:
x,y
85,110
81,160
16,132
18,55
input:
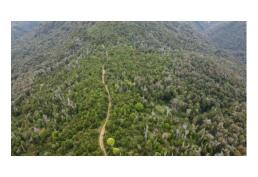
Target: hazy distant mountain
x,y
229,37
20,28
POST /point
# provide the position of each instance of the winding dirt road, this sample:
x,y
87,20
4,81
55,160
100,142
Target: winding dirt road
x,y
103,128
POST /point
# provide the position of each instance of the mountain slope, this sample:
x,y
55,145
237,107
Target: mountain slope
x,y
53,43
171,92
229,38
21,28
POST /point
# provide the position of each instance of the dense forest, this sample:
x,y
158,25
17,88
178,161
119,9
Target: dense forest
x,y
151,88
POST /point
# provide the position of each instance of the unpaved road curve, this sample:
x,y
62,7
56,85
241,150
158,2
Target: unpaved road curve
x,y
103,128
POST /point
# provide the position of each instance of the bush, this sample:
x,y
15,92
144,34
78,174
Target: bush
x,y
115,151
111,141
68,144
139,106
43,134
54,135
160,109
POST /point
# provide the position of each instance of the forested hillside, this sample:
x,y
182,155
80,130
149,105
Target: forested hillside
x,y
229,38
168,89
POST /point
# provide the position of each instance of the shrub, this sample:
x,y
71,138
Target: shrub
x,y
115,151
160,109
139,106
43,134
111,141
